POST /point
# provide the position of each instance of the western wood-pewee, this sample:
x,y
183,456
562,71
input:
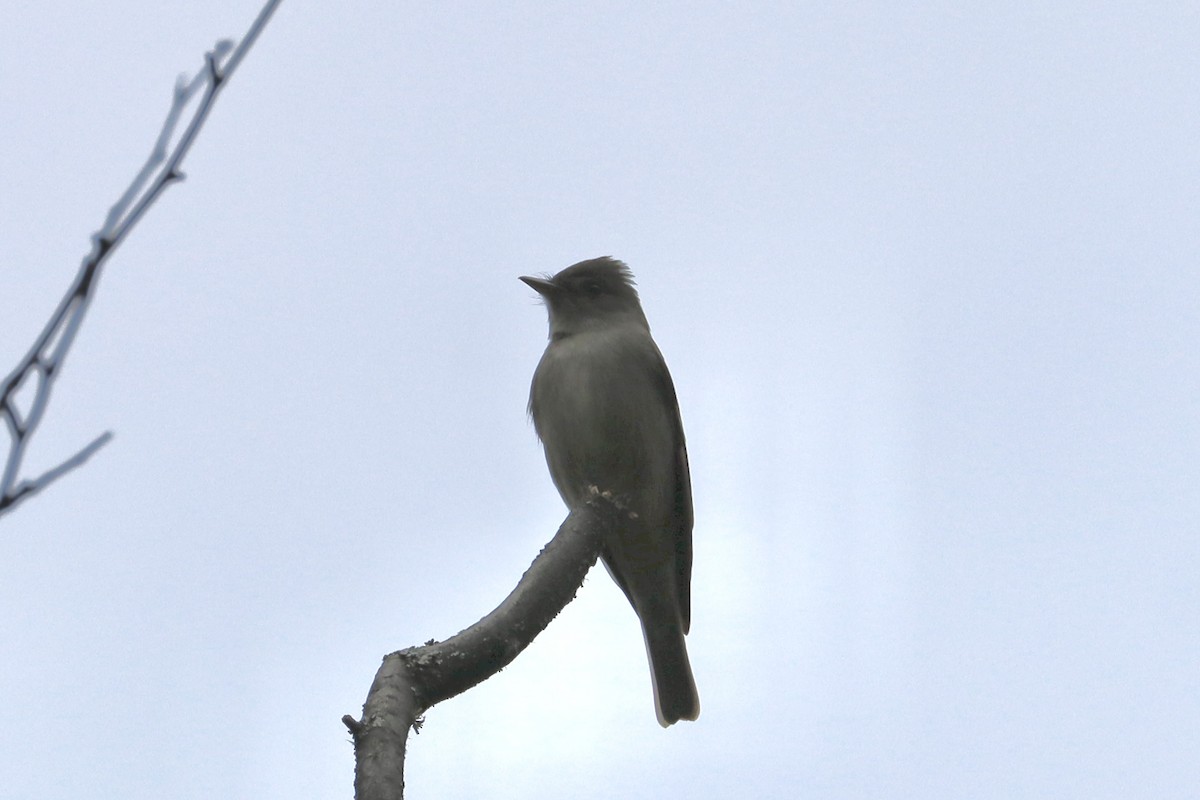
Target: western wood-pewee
x,y
604,406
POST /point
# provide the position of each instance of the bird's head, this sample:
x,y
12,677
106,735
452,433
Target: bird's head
x,y
590,295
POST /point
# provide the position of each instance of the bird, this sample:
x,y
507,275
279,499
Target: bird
x,y
604,407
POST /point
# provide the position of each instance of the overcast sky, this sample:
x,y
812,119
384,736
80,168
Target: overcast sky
x,y
925,276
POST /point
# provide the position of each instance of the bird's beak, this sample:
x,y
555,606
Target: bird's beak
x,y
540,285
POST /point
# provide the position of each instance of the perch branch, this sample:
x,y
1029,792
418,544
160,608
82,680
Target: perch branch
x,y
411,681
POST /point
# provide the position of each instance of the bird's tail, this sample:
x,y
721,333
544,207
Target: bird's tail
x,y
675,695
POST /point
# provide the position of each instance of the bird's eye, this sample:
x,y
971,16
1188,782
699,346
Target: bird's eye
x,y
592,288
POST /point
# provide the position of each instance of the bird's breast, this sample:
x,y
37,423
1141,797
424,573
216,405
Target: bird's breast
x,y
603,420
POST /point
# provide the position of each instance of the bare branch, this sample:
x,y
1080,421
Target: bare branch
x,y
45,358
29,488
411,681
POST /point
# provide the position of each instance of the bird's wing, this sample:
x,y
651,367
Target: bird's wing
x,y
681,521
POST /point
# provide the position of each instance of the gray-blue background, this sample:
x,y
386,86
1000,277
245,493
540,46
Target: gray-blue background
x,y
926,277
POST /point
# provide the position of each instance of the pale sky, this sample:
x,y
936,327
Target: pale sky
x,y
926,279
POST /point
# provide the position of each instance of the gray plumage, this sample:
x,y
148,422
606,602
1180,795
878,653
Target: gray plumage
x,y
604,406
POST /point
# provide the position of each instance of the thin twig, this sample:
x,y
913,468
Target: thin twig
x,y
45,358
29,488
